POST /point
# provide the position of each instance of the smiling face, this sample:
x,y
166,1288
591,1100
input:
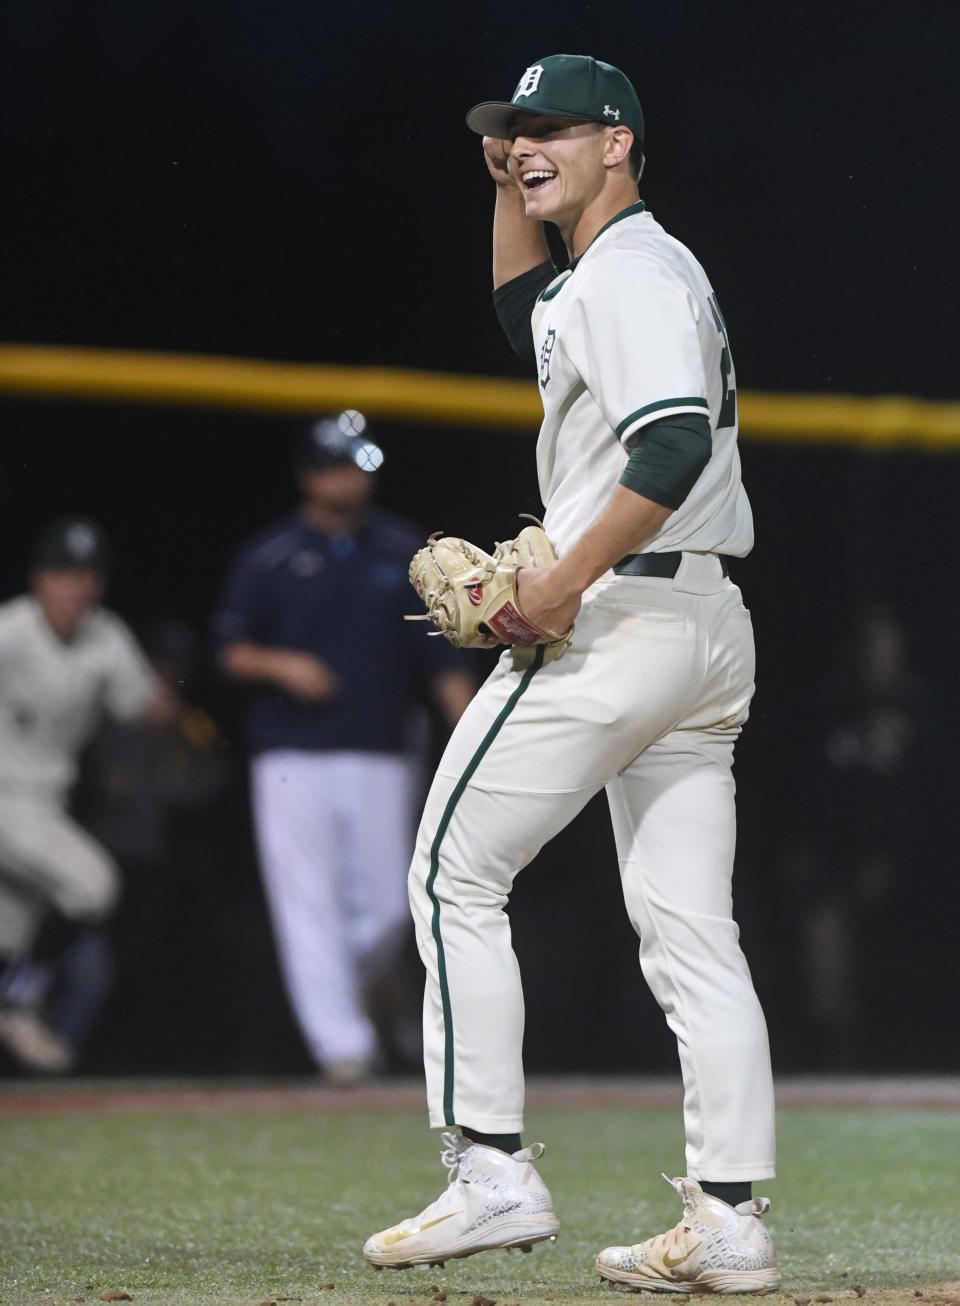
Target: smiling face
x,y
562,167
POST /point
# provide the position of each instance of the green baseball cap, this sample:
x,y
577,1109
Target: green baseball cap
x,y
563,86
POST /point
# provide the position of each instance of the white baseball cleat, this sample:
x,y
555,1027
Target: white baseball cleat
x,y
491,1200
714,1248
34,1043
347,1072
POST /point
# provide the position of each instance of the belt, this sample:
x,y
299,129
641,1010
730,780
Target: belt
x,y
656,564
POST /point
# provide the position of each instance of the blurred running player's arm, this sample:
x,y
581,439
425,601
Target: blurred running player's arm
x,y
132,688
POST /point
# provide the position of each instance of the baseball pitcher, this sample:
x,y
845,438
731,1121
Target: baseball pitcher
x,y
631,669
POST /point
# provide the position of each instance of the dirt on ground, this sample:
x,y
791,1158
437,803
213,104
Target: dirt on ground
x,y
92,1097
933,1294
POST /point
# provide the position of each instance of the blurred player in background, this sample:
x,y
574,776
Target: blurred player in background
x,y
879,777
64,660
312,620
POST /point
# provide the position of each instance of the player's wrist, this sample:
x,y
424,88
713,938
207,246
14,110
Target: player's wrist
x,y
508,193
571,576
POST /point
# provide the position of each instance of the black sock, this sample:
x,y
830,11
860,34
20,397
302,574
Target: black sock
x,y
506,1142
732,1194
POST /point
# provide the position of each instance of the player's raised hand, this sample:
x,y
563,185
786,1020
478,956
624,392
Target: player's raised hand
x,y
496,153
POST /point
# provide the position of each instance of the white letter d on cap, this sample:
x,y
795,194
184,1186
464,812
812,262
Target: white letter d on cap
x,y
529,81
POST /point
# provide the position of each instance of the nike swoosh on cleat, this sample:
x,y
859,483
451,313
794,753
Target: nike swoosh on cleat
x,y
400,1234
671,1262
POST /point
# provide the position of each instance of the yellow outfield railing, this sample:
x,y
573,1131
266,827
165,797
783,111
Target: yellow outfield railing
x,y
196,380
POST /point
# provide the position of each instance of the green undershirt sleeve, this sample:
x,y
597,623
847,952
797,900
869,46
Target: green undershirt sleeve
x,y
514,302
667,457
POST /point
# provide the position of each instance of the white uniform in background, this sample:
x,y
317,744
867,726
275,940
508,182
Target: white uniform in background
x,y
52,693
333,833
647,703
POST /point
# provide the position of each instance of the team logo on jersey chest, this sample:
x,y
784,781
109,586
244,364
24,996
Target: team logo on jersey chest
x,y
546,351
306,563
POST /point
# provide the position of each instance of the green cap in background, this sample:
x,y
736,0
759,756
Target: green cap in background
x,y
563,86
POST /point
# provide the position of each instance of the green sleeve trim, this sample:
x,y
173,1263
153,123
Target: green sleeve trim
x,y
514,302
668,458
689,401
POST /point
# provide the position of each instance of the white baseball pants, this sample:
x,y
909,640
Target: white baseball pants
x,y
647,703
47,858
334,834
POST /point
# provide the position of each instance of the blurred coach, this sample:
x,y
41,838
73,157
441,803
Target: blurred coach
x,y
312,620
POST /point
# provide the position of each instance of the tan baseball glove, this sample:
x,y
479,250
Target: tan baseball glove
x,y
471,596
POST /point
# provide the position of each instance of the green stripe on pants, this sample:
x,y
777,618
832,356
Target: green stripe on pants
x,y
448,811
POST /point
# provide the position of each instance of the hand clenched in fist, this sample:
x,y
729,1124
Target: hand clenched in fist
x,y
496,154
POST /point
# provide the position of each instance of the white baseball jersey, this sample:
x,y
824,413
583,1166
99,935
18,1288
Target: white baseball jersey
x,y
52,692
629,334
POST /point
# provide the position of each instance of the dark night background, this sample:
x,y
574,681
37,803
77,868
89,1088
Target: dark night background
x,y
294,181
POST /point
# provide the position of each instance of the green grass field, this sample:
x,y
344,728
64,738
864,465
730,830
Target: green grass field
x,y
247,1207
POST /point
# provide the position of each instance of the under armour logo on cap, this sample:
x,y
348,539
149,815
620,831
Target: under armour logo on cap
x,y
529,82
610,112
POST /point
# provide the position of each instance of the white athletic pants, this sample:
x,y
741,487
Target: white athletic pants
x,y
47,858
334,834
647,702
